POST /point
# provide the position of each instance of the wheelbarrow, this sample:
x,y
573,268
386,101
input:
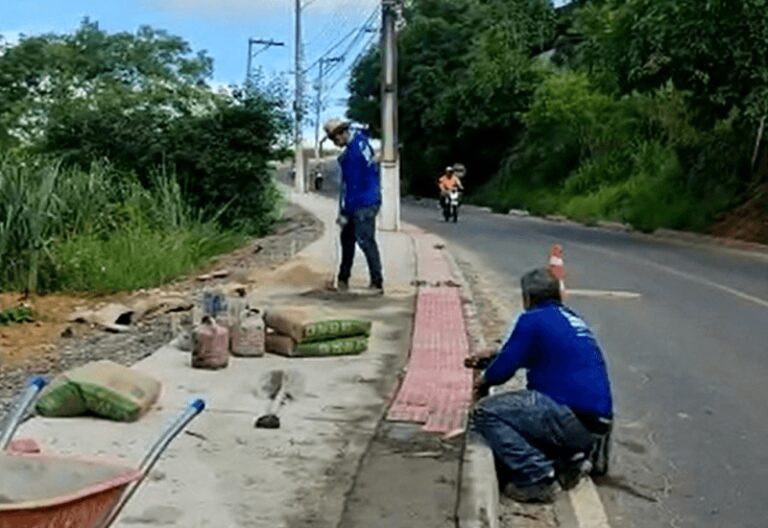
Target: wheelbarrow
x,y
46,491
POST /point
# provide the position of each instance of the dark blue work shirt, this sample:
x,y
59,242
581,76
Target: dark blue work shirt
x,y
361,182
562,357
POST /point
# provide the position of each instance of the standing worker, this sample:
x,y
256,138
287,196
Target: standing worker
x,y
359,201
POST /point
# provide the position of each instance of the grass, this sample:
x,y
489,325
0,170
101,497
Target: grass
x,y
138,258
17,315
645,190
98,231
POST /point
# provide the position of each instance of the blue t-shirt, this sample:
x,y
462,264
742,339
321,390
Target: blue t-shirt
x,y
563,360
359,175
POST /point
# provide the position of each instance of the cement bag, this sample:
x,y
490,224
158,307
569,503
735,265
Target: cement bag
x,y
103,388
280,344
306,326
286,346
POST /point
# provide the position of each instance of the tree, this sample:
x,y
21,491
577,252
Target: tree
x,y
142,101
466,72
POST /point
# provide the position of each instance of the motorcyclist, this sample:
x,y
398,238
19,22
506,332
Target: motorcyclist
x,y
448,182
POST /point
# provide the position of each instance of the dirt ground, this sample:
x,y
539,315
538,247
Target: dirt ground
x,y
748,222
52,344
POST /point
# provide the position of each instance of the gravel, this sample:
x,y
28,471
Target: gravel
x,y
297,230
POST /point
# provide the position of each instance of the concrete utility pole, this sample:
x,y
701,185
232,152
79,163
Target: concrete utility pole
x,y
299,163
390,162
252,42
319,101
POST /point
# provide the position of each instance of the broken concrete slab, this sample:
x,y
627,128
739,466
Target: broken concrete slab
x,y
108,315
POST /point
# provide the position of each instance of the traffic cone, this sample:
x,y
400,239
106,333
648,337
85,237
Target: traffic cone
x,y
557,266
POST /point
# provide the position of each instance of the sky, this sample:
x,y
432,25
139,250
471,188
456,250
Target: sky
x,y
222,28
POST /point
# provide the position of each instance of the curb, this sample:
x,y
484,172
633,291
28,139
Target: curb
x,y
614,226
667,235
477,504
671,235
519,213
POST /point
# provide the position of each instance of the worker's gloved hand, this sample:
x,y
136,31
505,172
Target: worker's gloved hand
x,y
341,220
480,389
481,360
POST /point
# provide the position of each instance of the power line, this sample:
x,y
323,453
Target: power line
x,y
352,65
355,34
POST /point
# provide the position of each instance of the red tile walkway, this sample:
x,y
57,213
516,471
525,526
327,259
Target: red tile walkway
x,y
437,388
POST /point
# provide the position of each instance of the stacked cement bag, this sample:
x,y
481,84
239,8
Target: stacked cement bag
x,y
102,388
296,332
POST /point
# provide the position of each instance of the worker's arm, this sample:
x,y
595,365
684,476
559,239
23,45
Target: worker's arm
x,y
514,354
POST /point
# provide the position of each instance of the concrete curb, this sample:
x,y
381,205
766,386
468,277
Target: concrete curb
x,y
708,240
614,226
519,213
477,504
668,235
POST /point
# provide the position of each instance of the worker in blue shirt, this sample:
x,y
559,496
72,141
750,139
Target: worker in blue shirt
x,y
558,429
359,201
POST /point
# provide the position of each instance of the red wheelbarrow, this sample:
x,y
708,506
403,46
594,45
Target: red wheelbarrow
x,y
44,491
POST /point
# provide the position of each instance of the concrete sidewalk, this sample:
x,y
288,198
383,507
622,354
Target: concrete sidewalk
x,y
227,474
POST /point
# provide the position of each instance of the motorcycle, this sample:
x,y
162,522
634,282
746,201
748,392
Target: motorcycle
x,y
318,179
451,203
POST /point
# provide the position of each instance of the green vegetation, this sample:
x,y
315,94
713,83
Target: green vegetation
x,y
97,230
119,167
643,111
16,315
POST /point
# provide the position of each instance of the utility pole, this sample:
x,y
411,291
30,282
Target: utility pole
x,y
319,101
252,42
301,177
390,163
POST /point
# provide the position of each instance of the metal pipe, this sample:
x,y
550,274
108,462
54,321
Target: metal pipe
x,y
151,458
19,410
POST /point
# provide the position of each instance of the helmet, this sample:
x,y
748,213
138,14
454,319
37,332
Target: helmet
x,y
449,168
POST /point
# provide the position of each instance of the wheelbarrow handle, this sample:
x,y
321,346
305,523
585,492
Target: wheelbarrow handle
x,y
19,410
155,452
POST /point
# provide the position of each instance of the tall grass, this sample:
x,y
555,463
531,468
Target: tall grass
x,y
97,230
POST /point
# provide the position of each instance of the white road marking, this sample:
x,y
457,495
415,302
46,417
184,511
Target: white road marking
x,y
587,506
676,272
605,294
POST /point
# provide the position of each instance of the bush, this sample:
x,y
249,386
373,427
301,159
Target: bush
x,y
638,159
97,230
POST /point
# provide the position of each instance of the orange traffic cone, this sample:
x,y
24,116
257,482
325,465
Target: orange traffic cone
x,y
557,266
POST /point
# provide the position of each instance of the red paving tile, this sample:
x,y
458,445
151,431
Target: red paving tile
x,y
436,390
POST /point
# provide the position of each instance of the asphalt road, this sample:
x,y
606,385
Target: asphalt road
x,y
688,359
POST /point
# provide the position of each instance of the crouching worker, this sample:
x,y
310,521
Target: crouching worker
x,y
558,429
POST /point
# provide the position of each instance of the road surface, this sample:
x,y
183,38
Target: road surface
x,y
688,358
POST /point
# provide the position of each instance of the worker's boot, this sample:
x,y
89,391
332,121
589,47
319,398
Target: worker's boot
x,y
542,492
570,472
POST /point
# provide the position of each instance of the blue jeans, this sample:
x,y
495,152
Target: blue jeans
x,y
530,435
360,229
